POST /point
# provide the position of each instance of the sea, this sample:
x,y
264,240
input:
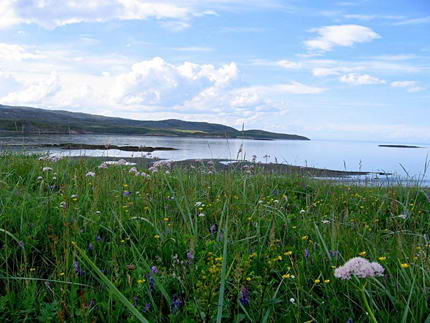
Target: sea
x,y
408,165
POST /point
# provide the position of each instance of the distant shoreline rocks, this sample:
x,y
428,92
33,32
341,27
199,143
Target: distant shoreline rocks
x,y
399,146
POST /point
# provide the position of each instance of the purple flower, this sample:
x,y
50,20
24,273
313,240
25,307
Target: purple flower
x,y
126,193
360,267
213,229
90,247
190,256
21,244
334,253
147,307
154,269
98,238
244,296
135,300
92,303
78,269
176,303
151,282
307,254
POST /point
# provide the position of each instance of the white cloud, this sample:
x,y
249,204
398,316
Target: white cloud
x,y
174,14
340,35
410,86
16,53
289,64
414,21
360,79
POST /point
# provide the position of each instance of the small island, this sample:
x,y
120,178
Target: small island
x,y
399,146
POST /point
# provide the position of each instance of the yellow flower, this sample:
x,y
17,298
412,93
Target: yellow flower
x,y
305,237
125,185
166,219
382,258
294,227
362,254
317,281
279,258
333,267
157,236
122,241
141,281
286,276
248,278
404,265
326,281
253,255
61,274
218,259
250,218
288,253
32,269
74,243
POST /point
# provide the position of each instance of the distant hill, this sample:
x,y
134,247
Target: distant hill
x,y
40,121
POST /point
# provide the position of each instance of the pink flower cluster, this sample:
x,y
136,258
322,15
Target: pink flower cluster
x,y
359,267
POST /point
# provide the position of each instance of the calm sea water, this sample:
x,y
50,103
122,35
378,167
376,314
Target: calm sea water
x,y
338,155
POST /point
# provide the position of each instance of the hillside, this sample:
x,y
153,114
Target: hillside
x,y
40,121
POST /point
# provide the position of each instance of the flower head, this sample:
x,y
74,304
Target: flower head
x,y
360,267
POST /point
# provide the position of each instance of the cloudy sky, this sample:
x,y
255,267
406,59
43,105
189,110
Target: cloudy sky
x,y
325,69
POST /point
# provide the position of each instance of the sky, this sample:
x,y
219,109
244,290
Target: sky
x,y
349,70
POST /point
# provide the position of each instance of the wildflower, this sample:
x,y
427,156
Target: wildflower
x,y
404,265
32,269
166,219
317,281
78,269
362,254
103,165
141,281
292,300
176,303
46,169
133,170
305,238
202,215
213,229
325,221
302,211
126,193
90,174
326,281
147,307
286,276
61,274
307,254
190,255
157,236
98,212
244,296
288,253
248,279
359,267
63,205
21,244
403,216
90,246
98,238
382,258
40,178
154,269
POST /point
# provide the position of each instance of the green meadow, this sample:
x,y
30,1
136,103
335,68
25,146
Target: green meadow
x,y
201,245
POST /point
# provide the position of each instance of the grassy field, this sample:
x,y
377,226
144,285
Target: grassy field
x,y
198,245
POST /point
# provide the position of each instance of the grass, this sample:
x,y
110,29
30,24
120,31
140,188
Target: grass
x,y
203,246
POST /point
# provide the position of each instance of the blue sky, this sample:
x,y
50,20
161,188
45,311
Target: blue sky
x,y
325,69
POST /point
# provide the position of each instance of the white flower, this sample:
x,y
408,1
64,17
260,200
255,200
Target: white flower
x,y
74,196
63,205
46,169
302,211
133,170
90,174
98,212
403,216
325,221
292,300
198,204
103,166
202,215
359,267
40,178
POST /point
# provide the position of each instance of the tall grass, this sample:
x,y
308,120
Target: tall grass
x,y
196,246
